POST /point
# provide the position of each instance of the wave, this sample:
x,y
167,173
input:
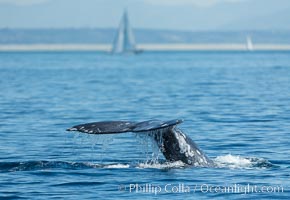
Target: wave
x,y
226,161
44,165
41,165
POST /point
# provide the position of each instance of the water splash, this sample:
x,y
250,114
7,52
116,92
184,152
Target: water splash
x,y
149,147
93,140
98,145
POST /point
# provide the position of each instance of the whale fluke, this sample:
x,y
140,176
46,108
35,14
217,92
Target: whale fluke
x,y
111,127
105,127
172,142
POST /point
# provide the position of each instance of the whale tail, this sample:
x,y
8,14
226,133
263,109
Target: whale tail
x,y
111,127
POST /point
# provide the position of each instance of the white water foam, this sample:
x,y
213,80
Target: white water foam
x,y
238,162
166,165
117,166
149,165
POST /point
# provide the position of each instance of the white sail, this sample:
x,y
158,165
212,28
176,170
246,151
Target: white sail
x,y
124,41
250,46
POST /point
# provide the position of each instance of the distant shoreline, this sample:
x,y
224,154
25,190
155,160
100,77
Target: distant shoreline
x,y
145,47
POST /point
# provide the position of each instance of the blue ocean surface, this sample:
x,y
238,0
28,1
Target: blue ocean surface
x,y
235,106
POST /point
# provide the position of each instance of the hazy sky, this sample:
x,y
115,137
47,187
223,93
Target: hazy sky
x,y
161,14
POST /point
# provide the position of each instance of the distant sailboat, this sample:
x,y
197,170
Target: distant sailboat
x,y
250,46
125,41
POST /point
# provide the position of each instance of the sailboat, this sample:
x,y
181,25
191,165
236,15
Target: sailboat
x,y
124,41
250,46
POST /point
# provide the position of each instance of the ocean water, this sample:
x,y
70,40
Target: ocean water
x,y
235,106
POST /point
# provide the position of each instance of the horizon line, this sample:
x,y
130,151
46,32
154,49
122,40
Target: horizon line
x,y
141,28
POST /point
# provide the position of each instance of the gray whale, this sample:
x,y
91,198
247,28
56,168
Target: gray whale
x,y
172,142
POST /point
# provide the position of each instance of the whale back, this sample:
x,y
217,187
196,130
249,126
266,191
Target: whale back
x,y
175,145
